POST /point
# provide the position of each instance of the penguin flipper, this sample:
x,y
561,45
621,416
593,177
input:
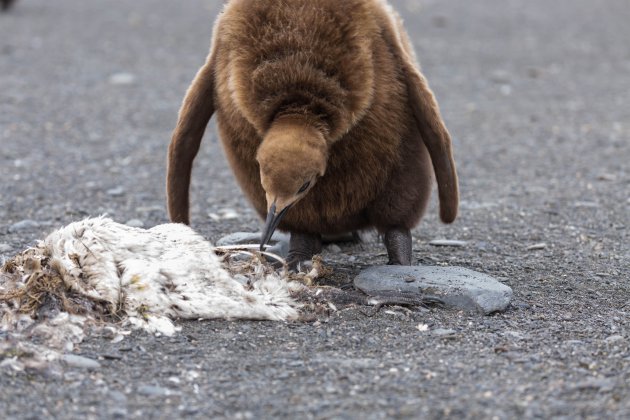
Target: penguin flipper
x,y
194,115
437,140
427,115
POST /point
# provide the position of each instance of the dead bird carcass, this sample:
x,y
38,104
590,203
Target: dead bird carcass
x,y
101,270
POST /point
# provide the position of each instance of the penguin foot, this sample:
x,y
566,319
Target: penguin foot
x,y
302,247
398,244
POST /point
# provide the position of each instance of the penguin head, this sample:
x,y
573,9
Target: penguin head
x,y
292,157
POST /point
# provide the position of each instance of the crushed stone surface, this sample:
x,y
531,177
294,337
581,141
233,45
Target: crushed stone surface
x,y
535,96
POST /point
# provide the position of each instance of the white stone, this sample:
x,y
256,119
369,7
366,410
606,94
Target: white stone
x,y
122,78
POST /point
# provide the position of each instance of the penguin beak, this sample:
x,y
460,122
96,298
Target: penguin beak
x,y
271,224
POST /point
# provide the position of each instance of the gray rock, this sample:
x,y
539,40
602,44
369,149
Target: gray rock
x,y
447,242
5,248
81,362
23,225
154,391
457,286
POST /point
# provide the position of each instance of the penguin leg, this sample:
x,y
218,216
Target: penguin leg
x,y
302,247
398,244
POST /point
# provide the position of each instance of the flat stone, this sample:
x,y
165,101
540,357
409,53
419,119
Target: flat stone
x,y
81,362
457,287
447,242
5,248
23,225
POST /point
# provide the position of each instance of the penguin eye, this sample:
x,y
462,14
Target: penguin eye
x,y
304,187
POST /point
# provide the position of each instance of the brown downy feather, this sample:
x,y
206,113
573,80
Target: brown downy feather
x,y
342,68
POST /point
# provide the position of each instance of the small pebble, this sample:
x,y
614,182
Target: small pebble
x,y
585,204
537,247
333,249
229,214
607,177
111,356
118,396
81,362
116,191
516,335
122,78
148,209
443,332
521,305
23,225
447,242
603,384
500,76
614,338
153,391
224,214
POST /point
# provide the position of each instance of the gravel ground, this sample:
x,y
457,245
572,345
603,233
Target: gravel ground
x,y
537,97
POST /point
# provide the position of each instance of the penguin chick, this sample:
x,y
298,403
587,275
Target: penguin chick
x,y
325,119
